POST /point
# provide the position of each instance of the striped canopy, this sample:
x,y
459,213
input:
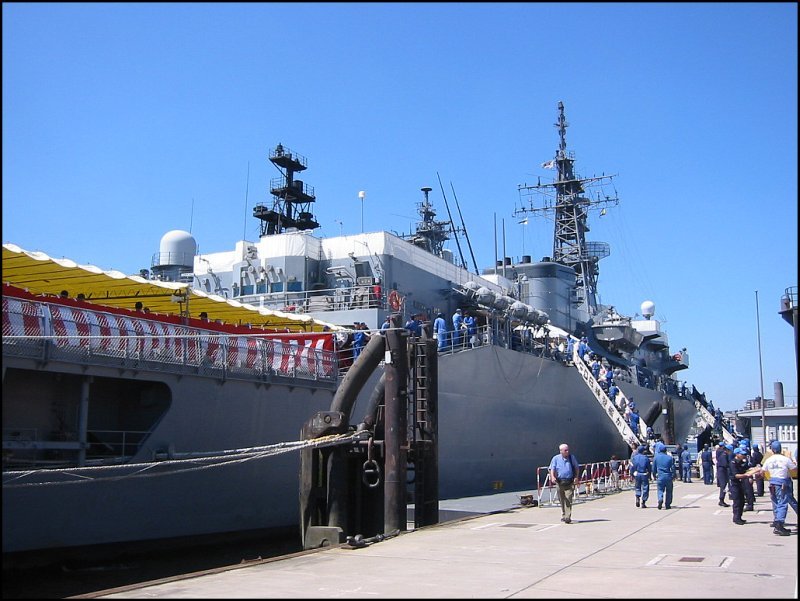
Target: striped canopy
x,y
39,273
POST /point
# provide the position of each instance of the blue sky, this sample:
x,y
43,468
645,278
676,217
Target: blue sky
x,y
124,121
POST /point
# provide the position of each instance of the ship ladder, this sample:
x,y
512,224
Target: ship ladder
x,y
611,410
709,420
423,431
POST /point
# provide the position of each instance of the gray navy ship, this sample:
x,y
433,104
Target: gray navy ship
x,y
124,427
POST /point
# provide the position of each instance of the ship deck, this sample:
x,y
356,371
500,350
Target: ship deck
x,y
503,550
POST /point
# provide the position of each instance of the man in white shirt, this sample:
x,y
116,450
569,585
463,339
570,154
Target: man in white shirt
x,y
780,486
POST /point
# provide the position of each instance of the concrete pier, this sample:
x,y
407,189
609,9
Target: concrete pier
x,y
610,550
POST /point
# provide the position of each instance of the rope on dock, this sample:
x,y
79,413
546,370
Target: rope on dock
x,y
174,464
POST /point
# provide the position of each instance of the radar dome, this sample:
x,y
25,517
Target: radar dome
x,y
177,248
648,309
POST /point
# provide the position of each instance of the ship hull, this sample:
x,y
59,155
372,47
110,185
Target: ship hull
x,y
502,415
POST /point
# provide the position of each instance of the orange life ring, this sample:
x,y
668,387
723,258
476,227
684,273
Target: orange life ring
x,y
394,300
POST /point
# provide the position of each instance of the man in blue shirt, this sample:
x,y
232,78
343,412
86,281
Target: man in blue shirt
x,y
413,326
708,465
458,319
440,331
686,464
565,474
640,468
663,470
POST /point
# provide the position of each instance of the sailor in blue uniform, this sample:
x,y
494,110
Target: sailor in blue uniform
x,y
705,458
747,483
686,464
738,468
640,468
723,463
458,319
756,457
440,331
663,471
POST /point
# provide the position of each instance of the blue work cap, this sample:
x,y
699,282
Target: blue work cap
x,y
729,447
775,446
642,448
755,446
740,451
660,446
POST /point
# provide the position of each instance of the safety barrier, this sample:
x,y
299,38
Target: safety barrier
x,y
33,328
596,480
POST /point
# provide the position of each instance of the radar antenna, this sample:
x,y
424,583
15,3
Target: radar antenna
x,y
292,198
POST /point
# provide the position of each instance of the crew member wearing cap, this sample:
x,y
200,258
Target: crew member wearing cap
x,y
705,458
663,471
723,464
747,483
440,331
738,475
458,319
640,468
780,486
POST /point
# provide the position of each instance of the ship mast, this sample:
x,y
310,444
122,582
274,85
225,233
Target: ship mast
x,y
430,234
292,198
567,197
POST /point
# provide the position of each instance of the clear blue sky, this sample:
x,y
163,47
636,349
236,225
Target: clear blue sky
x,y
119,118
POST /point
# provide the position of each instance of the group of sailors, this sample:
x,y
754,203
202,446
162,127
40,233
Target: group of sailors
x,y
740,472
464,331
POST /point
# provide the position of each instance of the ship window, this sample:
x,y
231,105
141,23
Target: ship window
x,y
276,287
247,290
261,288
294,286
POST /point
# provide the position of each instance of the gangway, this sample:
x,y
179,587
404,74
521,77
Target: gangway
x,y
625,431
709,420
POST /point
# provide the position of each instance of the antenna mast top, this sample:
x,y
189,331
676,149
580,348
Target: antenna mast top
x,y
567,197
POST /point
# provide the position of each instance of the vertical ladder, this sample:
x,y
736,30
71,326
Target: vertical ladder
x,y
419,389
423,432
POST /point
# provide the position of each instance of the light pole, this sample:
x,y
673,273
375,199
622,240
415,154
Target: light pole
x,y
361,195
761,374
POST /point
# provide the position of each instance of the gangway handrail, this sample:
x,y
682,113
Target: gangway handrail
x,y
625,431
709,420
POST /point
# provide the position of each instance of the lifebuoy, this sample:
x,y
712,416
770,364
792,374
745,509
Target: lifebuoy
x,y
394,300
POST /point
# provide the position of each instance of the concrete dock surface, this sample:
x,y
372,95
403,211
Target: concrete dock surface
x,y
612,549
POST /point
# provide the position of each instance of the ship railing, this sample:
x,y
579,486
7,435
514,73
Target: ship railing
x,y
597,479
492,335
30,447
710,421
318,300
48,331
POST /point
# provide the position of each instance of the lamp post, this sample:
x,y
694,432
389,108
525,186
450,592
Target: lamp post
x,y
761,374
361,195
